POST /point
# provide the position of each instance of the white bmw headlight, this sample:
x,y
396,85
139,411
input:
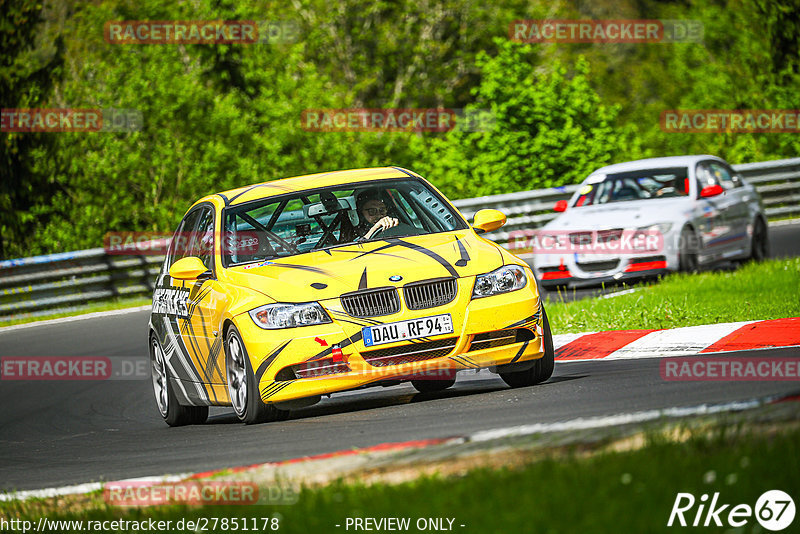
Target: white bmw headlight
x,y
279,315
502,280
661,228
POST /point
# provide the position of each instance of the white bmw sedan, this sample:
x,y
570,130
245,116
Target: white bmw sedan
x,y
645,218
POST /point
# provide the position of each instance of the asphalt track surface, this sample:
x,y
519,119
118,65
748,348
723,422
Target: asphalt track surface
x,y
55,433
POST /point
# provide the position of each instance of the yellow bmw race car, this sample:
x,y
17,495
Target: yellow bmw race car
x,y
275,294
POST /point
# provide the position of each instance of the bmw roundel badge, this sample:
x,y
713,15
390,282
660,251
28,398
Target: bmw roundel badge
x,y
395,278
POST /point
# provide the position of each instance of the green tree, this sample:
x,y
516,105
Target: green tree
x,y
551,129
29,65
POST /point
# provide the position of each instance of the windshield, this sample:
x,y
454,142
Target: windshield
x,y
634,185
305,221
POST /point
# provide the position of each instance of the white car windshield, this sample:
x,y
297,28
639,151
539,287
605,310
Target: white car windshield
x,y
634,185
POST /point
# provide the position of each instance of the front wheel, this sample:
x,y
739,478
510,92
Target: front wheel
x,y
542,368
759,248
688,248
173,413
242,386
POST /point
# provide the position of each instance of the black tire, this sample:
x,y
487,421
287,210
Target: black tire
x,y
247,405
542,368
687,255
173,413
199,415
759,245
432,386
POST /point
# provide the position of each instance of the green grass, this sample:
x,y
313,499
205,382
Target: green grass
x,y
117,304
767,290
609,492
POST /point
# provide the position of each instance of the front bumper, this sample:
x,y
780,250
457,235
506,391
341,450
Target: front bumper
x,y
569,273
620,278
275,355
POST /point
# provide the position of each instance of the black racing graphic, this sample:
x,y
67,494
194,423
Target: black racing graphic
x,y
268,361
319,285
274,388
309,268
171,302
519,352
465,361
213,357
344,317
355,338
171,354
348,320
464,255
273,186
392,242
362,253
181,353
301,267
531,320
396,242
188,330
179,304
406,171
443,262
197,294
362,284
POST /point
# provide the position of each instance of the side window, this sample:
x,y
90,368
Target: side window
x,y
432,209
735,177
725,176
203,245
402,201
180,245
705,176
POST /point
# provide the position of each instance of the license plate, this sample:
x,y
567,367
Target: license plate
x,y
404,330
590,258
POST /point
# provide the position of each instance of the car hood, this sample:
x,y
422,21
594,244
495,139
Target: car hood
x,y
328,273
629,215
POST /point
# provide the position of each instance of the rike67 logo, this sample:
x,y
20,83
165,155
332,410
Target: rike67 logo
x,y
774,510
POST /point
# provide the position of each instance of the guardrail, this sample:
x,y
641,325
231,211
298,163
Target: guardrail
x,y
778,183
46,284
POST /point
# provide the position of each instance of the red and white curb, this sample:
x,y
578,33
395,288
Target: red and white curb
x,y
686,341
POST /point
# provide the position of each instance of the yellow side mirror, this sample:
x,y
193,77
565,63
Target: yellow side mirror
x,y
189,268
488,220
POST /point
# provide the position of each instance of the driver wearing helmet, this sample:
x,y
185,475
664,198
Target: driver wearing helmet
x,y
372,216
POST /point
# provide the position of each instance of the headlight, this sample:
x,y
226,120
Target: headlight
x,y
502,280
661,228
274,316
